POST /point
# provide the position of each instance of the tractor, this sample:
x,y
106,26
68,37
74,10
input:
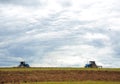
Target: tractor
x,y
23,65
92,64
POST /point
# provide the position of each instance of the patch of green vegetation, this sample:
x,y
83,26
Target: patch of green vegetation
x,y
82,82
57,68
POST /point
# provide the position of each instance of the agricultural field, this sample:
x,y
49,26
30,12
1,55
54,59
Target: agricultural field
x,y
80,82
59,75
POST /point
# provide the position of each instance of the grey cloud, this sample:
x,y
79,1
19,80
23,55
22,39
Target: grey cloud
x,y
65,3
115,43
22,2
40,40
97,43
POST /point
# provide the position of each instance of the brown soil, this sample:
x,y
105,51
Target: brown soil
x,y
58,75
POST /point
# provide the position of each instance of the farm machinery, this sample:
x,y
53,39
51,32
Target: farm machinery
x,y
92,64
23,65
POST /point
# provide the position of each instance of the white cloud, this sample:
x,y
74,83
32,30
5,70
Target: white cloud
x,y
92,36
60,32
77,56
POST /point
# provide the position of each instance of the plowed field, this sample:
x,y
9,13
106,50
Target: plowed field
x,y
58,75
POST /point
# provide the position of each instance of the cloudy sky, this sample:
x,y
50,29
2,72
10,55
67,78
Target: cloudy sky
x,y
60,33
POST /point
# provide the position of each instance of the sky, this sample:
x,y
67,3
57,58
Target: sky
x,y
60,33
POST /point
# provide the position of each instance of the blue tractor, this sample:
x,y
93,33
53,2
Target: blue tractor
x,y
23,64
88,65
92,64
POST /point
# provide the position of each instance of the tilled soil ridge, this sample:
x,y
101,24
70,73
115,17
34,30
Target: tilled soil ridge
x,y
58,75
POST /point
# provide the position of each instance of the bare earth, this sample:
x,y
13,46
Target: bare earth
x,y
58,75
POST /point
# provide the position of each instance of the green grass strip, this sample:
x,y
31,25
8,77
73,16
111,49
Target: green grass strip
x,y
58,68
82,82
